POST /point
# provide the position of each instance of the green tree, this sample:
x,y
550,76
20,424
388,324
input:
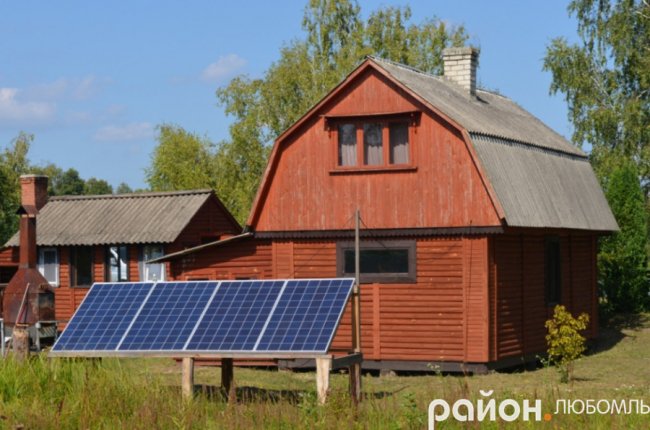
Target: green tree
x,y
622,259
54,174
70,184
605,79
94,186
13,163
181,161
336,40
123,188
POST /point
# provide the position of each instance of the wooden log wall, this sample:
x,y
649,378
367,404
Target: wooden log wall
x,y
310,192
517,288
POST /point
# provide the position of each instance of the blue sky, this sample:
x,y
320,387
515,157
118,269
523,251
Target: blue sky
x,y
91,80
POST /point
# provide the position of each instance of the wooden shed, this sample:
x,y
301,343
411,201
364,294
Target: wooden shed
x,y
85,239
476,217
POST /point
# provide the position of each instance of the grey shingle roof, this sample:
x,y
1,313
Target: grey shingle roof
x,y
540,179
116,219
539,188
488,113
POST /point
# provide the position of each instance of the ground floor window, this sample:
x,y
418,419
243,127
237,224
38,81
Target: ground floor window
x,y
552,271
117,263
48,265
152,272
81,266
389,261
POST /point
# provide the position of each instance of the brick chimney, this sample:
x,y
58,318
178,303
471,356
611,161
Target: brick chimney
x,y
33,198
460,67
33,191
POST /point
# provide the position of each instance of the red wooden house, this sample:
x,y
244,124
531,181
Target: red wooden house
x,y
85,239
477,217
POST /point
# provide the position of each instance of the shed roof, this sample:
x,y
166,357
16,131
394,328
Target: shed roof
x,y
116,219
540,179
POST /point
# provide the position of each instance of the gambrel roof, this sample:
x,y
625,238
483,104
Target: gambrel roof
x,y
535,176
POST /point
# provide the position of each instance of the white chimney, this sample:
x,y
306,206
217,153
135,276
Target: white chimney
x,y
460,67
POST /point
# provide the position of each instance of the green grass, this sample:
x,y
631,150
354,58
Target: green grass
x,y
145,393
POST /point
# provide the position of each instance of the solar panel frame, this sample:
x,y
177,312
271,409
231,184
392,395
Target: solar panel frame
x,y
82,311
232,284
149,326
335,320
227,353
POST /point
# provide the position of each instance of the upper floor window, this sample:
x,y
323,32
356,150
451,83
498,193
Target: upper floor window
x,y
374,142
81,266
117,263
48,265
155,271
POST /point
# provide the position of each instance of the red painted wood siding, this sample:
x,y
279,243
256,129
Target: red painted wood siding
x,y
445,190
519,300
246,259
208,224
9,257
443,316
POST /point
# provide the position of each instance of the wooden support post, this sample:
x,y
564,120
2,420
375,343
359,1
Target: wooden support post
x,y
20,342
227,378
355,369
188,377
323,366
355,382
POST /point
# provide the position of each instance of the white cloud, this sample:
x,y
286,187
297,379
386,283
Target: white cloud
x,y
132,131
67,88
224,67
15,109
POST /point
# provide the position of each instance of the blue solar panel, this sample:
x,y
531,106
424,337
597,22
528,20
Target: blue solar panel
x,y
236,316
306,316
227,316
103,317
169,316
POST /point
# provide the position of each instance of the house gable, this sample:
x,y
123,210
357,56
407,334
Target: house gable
x,y
441,185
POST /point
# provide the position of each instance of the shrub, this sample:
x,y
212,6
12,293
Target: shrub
x,y
565,343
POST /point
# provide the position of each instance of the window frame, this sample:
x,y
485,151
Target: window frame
x,y
552,281
73,258
143,267
108,267
40,265
379,278
410,119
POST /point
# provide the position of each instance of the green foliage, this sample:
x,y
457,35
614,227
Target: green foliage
x,y
565,343
70,184
94,186
622,259
123,188
181,161
605,79
13,163
336,40
54,176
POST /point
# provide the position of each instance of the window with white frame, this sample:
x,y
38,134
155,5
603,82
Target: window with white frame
x,y
155,271
117,263
48,265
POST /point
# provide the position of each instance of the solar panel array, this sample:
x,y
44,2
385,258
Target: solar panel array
x,y
284,316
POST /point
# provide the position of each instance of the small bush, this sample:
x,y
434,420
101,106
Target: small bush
x,y
565,343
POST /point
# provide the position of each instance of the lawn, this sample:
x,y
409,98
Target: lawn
x,y
145,393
